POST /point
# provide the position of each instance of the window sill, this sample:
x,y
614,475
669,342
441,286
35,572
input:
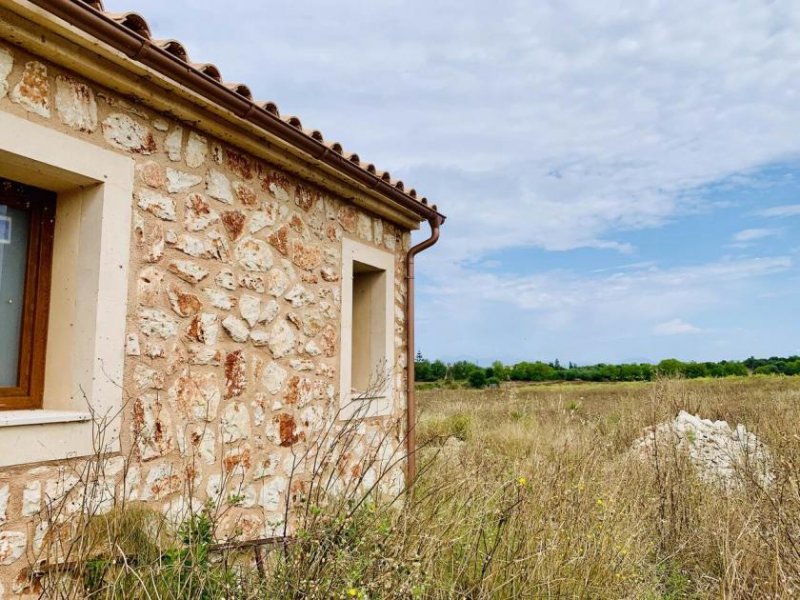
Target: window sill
x,y
16,418
364,407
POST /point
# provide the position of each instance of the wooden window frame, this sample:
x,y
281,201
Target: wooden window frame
x,y
41,205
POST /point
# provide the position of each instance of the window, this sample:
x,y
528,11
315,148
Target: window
x,y
368,352
85,315
367,361
27,218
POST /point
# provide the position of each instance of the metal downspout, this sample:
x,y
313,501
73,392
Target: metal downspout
x,y
411,398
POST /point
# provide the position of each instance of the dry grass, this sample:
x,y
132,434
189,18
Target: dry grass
x,y
596,521
524,492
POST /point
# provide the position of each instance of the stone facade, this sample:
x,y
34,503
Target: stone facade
x,y
233,328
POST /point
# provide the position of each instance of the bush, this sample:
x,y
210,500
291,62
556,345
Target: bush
x,y
477,379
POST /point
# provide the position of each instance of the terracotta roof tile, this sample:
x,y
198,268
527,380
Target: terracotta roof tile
x,y
135,23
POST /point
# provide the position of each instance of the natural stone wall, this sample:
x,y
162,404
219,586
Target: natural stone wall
x,y
233,323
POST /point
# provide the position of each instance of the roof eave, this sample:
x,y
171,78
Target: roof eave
x,y
137,48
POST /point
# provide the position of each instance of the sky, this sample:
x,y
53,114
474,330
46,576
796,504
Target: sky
x,y
621,179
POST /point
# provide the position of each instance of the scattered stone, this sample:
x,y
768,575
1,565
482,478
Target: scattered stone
x,y
148,286
173,144
250,309
6,65
226,279
203,355
236,328
328,338
33,90
199,215
196,150
146,378
277,282
269,312
156,323
235,423
254,282
156,204
262,218
204,328
239,163
329,274
12,545
298,296
123,132
76,104
233,221
259,337
245,194
218,187
235,374
305,256
152,174
347,218
721,455
183,303
150,239
253,254
153,427
196,396
281,339
178,181
31,498
187,270
220,299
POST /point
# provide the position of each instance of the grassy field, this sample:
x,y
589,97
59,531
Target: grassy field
x,y
546,490
524,492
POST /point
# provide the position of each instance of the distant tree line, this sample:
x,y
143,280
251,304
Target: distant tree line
x,y
477,376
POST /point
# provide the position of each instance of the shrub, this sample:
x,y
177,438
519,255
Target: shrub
x,y
477,379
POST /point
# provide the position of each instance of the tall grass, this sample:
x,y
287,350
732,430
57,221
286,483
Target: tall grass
x,y
524,492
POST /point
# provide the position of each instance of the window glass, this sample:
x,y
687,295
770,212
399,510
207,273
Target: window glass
x,y
14,229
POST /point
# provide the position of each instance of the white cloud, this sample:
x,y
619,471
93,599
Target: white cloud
x,y
747,237
630,293
751,235
675,327
786,210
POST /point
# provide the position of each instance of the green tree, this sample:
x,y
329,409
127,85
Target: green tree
x,y
670,367
477,379
438,370
501,372
461,369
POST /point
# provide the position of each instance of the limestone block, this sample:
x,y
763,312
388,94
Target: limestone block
x,y
76,104
122,132
33,90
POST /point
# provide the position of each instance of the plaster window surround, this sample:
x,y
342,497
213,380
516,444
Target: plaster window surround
x,y
86,330
367,321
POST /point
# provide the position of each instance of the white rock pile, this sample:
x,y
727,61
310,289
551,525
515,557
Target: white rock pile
x,y
722,456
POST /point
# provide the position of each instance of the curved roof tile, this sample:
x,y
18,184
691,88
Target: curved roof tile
x,y
174,47
208,69
240,89
133,21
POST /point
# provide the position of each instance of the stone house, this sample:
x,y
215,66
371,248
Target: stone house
x,y
192,285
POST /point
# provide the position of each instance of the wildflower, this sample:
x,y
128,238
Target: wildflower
x,y
522,481
599,502
352,593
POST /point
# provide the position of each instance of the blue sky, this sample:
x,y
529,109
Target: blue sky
x,y
621,179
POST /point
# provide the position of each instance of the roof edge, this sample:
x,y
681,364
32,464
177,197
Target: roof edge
x,y
140,49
